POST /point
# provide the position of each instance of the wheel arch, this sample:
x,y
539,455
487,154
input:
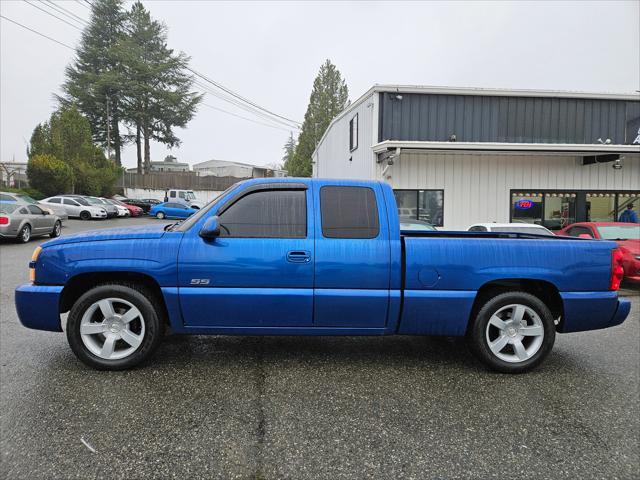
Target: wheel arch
x,y
77,285
546,291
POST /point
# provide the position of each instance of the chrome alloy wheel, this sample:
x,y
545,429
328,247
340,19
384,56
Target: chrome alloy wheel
x,y
112,328
515,333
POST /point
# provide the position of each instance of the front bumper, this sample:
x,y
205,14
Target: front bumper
x,y
38,306
592,311
99,215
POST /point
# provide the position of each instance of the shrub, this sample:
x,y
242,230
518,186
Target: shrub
x,y
49,175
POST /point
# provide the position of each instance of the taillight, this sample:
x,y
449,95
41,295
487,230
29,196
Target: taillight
x,y
4,220
617,272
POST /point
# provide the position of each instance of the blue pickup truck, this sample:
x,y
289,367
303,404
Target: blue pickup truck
x,y
317,257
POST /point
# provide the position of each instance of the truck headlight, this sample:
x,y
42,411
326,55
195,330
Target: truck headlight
x,y
32,264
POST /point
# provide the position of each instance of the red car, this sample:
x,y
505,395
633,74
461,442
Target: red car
x,y
626,235
133,210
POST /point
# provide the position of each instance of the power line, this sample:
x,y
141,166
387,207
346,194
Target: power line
x,y
67,13
82,3
239,97
245,118
38,33
243,106
55,16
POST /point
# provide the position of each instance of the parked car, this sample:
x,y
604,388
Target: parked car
x,y
112,210
23,221
76,207
171,210
530,228
413,225
186,197
27,200
626,235
288,256
144,204
122,211
133,210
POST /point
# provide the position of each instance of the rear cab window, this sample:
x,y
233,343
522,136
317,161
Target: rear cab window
x,y
349,212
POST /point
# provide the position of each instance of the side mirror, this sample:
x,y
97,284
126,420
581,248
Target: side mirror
x,y
45,212
585,235
211,228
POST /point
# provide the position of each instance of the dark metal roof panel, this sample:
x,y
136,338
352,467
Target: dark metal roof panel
x,y
509,119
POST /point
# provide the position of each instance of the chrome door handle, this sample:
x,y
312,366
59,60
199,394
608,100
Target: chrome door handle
x,y
298,256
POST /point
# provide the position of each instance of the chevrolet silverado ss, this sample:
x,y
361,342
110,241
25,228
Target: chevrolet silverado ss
x,y
293,256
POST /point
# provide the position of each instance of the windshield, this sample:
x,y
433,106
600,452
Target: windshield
x,y
186,225
531,230
93,201
26,198
620,232
7,207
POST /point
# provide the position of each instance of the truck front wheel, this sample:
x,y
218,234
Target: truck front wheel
x,y
512,332
114,326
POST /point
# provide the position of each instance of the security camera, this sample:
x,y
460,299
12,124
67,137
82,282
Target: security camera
x,y
617,165
390,161
398,97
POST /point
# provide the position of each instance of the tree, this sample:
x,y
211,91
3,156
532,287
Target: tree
x,y
328,98
94,81
289,151
67,137
158,96
49,175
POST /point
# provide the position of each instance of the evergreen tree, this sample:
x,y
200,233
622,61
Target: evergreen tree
x,y
328,98
94,81
67,138
158,96
289,151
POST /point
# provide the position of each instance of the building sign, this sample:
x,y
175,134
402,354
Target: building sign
x,y
524,204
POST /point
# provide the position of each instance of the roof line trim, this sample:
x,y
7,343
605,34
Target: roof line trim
x,y
513,147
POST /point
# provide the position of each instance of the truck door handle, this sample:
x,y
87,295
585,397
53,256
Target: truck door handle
x,y
298,256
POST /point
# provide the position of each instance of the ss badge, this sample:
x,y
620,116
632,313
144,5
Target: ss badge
x,y
199,281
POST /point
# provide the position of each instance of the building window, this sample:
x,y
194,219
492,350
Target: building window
x,y
353,133
349,212
424,205
557,209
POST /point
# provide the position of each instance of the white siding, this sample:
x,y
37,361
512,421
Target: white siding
x,y
477,186
332,156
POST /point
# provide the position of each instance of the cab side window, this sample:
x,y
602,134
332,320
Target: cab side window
x,y
349,212
266,214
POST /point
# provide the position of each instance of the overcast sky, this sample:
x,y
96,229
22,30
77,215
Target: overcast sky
x,y
270,53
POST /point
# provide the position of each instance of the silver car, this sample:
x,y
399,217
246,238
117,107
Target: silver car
x,y
112,210
27,200
76,207
21,222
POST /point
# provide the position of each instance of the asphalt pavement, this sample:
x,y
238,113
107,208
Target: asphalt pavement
x,y
313,407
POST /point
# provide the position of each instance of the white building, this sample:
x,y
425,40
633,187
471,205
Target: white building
x,y
460,156
223,168
169,164
14,174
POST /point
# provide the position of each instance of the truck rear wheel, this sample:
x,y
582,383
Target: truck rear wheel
x,y
114,326
512,332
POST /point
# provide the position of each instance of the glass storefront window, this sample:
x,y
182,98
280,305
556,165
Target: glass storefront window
x,y
601,207
424,205
430,203
526,208
626,199
559,210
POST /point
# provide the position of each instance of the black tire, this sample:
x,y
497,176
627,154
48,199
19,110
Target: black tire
x,y
84,215
479,333
25,234
57,229
142,299
160,215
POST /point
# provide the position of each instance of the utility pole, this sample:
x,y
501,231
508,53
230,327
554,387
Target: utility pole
x,y
108,132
